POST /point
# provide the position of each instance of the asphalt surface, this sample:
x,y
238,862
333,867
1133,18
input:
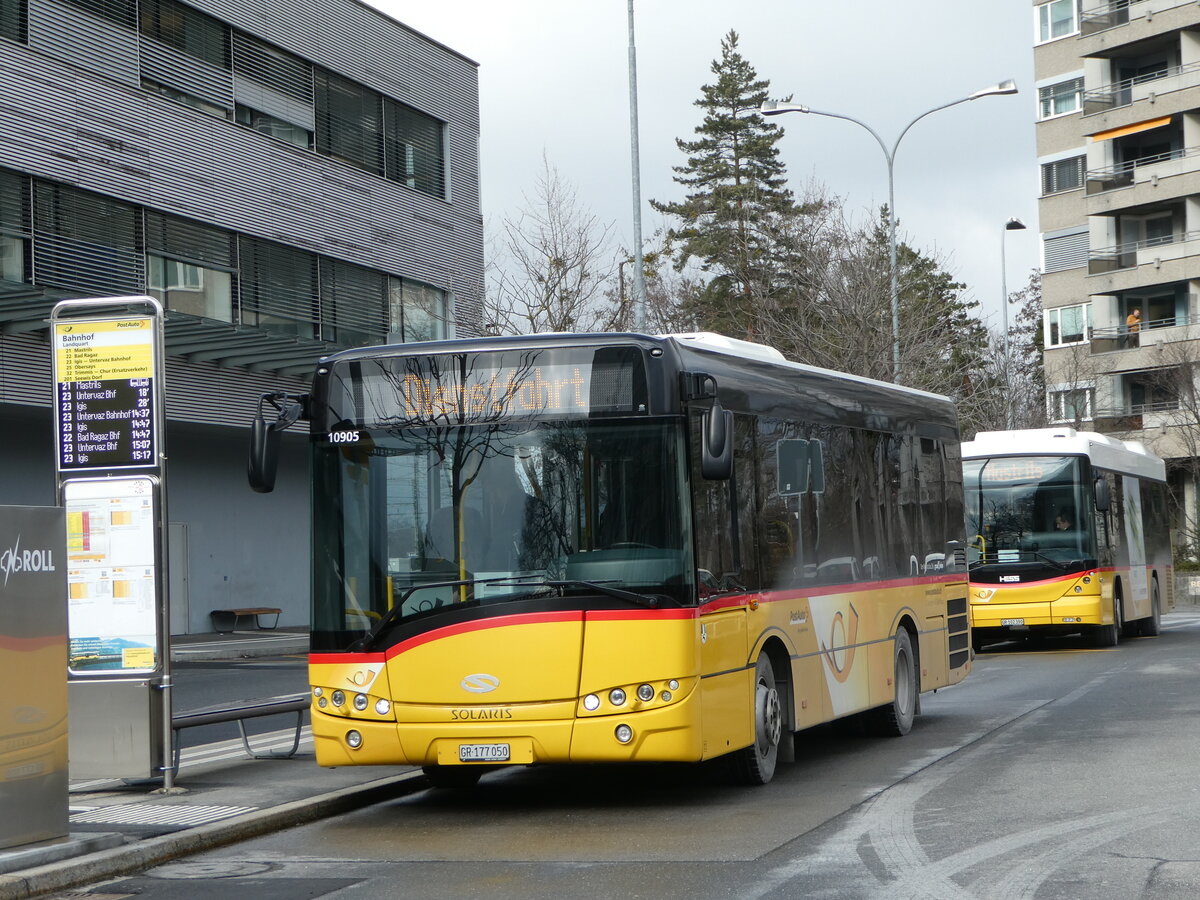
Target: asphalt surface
x,y
223,795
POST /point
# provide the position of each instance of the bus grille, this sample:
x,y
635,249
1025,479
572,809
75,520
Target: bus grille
x,y
958,627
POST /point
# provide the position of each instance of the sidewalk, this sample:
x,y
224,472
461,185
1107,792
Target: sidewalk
x,y
118,828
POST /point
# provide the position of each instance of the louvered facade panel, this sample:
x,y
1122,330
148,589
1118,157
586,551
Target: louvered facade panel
x,y
168,66
25,376
82,39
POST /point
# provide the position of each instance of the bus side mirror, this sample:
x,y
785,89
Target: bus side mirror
x,y
264,455
263,463
716,444
1103,496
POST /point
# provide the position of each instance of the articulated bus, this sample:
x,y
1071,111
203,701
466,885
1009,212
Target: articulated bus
x,y
575,548
1067,533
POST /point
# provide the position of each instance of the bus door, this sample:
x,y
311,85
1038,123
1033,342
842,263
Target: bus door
x,y
1137,591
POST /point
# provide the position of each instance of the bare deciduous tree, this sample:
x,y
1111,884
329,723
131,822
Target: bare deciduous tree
x,y
552,264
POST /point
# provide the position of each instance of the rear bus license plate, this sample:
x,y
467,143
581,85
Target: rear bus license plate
x,y
483,752
1012,621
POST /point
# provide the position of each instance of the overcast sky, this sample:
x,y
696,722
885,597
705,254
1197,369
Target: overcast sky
x,y
554,79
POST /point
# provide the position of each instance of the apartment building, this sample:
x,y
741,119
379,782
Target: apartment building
x,y
1118,142
288,178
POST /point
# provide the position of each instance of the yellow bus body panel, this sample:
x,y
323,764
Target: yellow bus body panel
x,y
1043,603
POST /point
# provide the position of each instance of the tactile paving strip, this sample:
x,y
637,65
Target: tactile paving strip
x,y
156,814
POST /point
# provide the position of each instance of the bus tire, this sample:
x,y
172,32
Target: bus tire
x,y
756,764
1109,635
453,777
896,718
1152,624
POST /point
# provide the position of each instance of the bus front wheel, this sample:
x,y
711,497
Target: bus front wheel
x,y
756,764
896,719
1109,635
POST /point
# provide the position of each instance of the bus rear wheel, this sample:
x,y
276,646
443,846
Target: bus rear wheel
x,y
1152,624
756,764
896,719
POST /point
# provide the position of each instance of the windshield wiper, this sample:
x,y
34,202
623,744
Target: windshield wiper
x,y
365,642
646,600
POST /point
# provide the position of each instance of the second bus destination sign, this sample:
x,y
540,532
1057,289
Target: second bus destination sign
x,y
104,384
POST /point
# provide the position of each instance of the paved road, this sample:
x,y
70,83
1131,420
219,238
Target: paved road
x,y
1060,772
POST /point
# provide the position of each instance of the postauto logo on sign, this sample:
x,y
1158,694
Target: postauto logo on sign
x,y
15,560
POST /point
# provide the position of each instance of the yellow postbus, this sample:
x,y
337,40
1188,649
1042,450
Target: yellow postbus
x,y
1068,532
579,548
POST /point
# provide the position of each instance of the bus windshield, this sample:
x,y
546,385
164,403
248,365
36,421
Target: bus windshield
x,y
505,508
1027,509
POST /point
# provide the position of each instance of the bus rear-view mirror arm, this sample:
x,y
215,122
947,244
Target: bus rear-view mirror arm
x,y
263,463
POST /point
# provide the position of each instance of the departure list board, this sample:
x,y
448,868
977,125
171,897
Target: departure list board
x,y
104,383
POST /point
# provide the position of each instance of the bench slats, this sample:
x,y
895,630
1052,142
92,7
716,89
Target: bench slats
x,y
225,620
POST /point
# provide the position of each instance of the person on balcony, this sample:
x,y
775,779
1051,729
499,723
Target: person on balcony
x,y
1133,324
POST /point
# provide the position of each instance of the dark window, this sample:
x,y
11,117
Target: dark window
x,y
278,287
14,227
264,123
353,303
14,20
122,12
273,67
349,121
415,149
187,30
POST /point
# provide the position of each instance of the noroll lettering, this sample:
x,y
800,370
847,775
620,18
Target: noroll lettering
x,y
14,560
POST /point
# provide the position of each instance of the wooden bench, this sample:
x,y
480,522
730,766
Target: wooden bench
x,y
239,711
226,620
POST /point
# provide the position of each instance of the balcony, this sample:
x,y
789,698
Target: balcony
x,y
1145,168
1101,18
1118,337
1143,87
1140,253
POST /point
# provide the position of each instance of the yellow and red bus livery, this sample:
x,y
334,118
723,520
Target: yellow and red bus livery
x,y
1068,532
609,548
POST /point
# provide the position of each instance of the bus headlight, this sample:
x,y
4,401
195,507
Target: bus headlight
x,y
338,698
616,697
353,740
360,702
1078,589
591,703
624,734
645,693
382,707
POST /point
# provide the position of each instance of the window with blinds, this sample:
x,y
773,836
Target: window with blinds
x,y
121,12
418,311
187,30
279,288
85,241
277,69
353,303
349,119
1063,175
1066,251
1060,99
14,227
415,148
14,20
191,267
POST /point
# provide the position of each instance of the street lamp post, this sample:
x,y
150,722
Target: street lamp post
x,y
639,266
775,108
1013,224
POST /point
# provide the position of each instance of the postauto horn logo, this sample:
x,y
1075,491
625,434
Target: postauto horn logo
x,y
480,683
14,560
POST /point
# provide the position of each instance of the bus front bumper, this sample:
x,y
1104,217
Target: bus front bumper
x,y
1066,613
669,734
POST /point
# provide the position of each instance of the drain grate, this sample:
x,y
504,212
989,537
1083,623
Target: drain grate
x,y
157,814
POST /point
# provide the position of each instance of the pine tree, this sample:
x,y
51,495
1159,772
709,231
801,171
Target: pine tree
x,y
736,193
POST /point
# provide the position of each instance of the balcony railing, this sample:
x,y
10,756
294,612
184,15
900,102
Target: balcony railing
x,y
1121,93
1122,175
1119,337
1125,256
1108,15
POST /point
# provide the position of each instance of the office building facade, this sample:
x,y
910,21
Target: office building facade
x,y
1118,142
286,178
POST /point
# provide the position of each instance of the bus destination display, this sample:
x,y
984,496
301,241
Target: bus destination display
x,y
104,393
